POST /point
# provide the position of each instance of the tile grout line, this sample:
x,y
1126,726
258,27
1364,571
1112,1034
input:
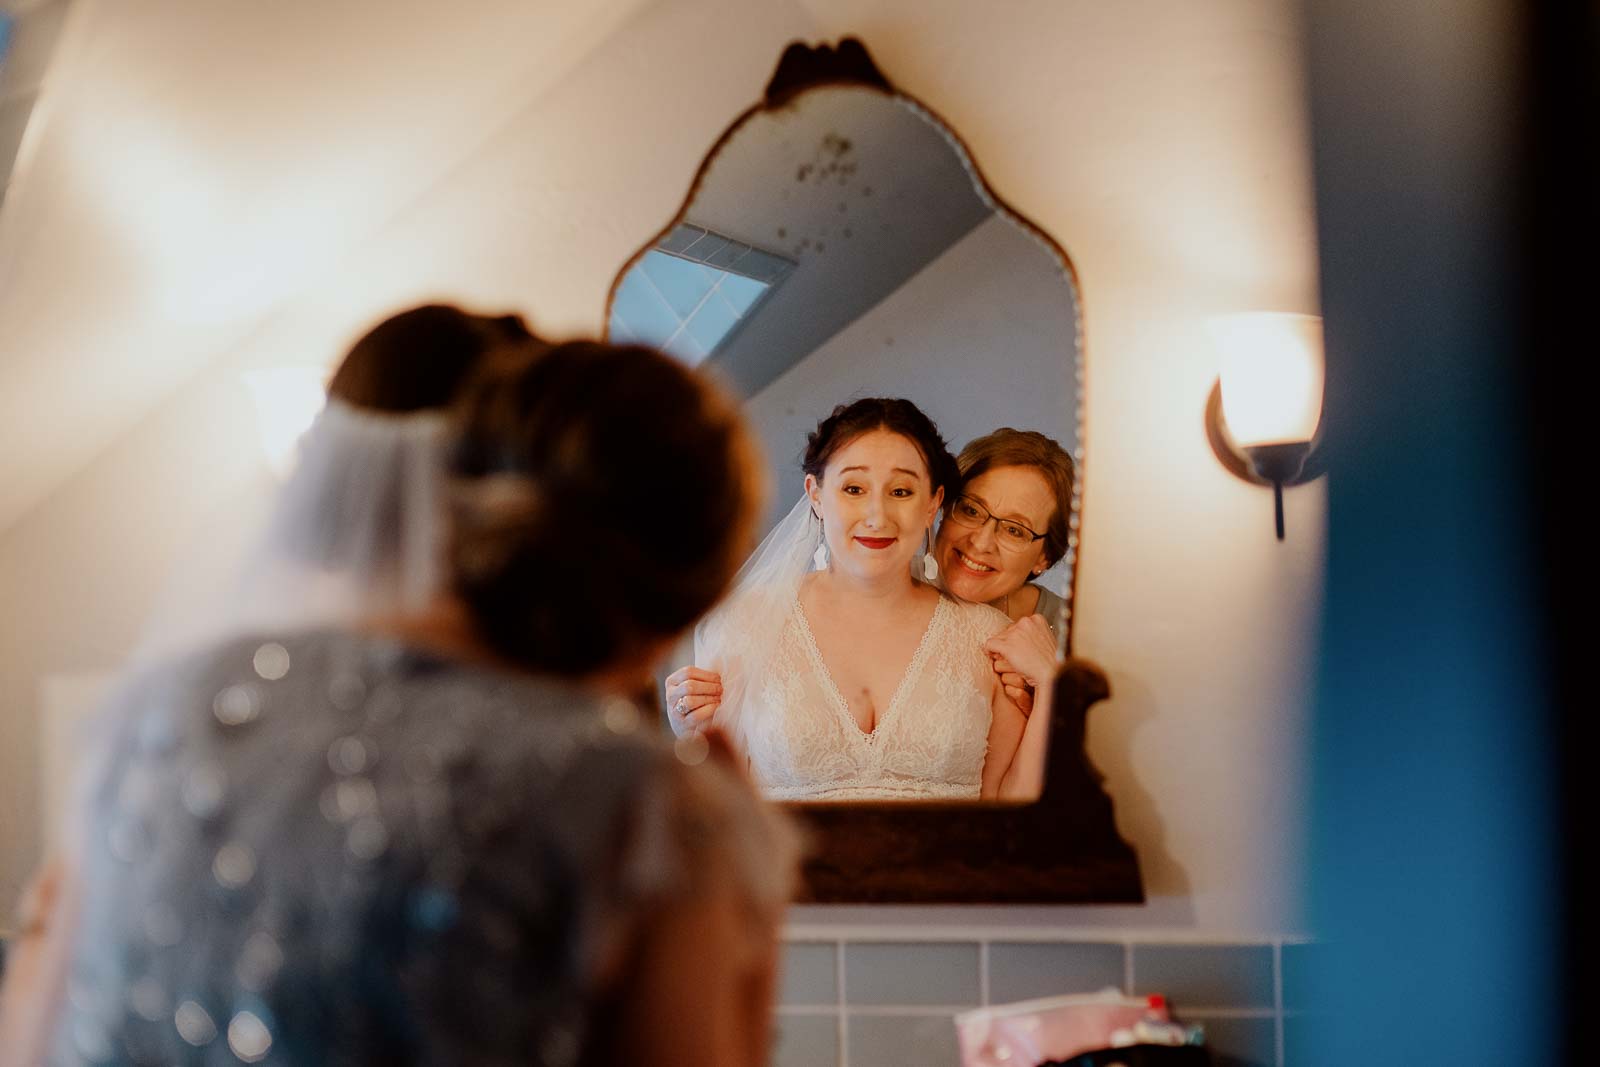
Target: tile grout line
x,y
874,1011
1051,933
1277,1000
918,1011
841,1029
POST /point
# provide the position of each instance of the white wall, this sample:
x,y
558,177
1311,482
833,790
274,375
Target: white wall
x,y
1162,142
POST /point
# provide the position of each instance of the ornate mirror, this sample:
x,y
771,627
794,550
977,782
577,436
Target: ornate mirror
x,y
840,242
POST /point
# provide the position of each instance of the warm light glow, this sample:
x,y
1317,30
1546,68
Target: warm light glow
x,y
1272,374
286,400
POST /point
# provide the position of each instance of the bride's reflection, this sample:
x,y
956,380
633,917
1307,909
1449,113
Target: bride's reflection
x,y
844,677
840,246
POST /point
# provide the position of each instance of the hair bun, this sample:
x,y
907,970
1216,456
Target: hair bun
x,y
604,494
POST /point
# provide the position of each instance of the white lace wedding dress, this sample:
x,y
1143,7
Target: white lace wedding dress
x,y
929,742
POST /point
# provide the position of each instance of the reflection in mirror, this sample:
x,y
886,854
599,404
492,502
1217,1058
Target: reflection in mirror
x,y
841,246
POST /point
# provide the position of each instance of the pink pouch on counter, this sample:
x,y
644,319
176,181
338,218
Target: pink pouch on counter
x,y
1031,1032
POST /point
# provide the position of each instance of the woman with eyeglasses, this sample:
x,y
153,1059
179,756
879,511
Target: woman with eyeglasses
x,y
1008,526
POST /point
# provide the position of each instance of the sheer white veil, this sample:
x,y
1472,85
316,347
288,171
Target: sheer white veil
x,y
740,636
358,530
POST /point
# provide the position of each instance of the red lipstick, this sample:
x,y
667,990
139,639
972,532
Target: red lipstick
x,y
876,542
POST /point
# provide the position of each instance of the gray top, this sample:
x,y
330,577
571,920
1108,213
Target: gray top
x,y
336,849
1050,607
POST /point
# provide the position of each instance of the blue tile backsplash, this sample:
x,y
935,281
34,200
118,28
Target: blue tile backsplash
x,y
1031,970
1194,977
922,973
810,973
861,1001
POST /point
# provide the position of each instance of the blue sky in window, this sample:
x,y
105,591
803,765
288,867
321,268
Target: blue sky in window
x,y
679,306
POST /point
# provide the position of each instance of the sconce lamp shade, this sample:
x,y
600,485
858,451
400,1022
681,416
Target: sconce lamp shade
x,y
1263,412
1272,373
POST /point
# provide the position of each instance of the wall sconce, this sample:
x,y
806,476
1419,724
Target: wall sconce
x,y
1264,413
286,400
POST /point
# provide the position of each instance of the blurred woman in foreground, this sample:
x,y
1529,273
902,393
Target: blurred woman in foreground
x,y
442,836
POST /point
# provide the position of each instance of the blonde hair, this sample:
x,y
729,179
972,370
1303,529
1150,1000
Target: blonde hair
x,y
1006,447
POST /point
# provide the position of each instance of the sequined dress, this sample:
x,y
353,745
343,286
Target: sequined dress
x,y
335,849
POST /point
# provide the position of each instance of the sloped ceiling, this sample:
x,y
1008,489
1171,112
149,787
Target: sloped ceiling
x,y
187,161
859,189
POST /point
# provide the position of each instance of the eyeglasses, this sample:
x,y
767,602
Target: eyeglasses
x,y
1012,535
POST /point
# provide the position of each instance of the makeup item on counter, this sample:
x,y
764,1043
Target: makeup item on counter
x,y
1052,1029
1154,1027
1104,1029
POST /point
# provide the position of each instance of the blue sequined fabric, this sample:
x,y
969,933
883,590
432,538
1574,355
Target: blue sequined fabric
x,y
335,849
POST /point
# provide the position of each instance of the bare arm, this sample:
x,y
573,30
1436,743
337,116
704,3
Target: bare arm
x,y
1024,778
1007,725
36,964
1028,648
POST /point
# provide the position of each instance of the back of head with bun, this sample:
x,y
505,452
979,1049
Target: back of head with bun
x,y
602,498
416,360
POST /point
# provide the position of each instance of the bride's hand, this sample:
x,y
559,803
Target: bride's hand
x,y
693,695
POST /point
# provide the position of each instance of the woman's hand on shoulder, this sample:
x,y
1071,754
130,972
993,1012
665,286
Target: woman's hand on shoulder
x,y
693,695
1024,657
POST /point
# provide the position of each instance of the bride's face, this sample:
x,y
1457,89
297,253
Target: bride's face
x,y
876,502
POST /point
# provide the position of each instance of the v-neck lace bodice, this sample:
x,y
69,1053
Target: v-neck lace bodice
x,y
929,742
913,668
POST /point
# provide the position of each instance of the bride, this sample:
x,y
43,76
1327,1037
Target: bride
x,y
843,677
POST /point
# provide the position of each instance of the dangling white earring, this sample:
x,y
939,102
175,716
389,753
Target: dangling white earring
x,y
930,566
819,558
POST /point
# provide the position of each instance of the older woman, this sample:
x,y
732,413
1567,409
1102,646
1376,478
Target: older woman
x,y
440,836
1009,525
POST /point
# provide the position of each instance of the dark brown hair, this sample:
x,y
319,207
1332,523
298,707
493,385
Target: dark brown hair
x,y
603,496
897,415
418,359
1006,447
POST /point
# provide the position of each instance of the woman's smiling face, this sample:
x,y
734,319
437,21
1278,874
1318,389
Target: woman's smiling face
x,y
976,567
876,502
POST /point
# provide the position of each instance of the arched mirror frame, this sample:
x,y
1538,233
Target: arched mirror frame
x,y
1061,848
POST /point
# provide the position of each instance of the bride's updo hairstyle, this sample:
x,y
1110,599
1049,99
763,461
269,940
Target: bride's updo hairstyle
x,y
895,414
602,498
418,359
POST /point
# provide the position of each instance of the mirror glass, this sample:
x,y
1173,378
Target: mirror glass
x,y
842,245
